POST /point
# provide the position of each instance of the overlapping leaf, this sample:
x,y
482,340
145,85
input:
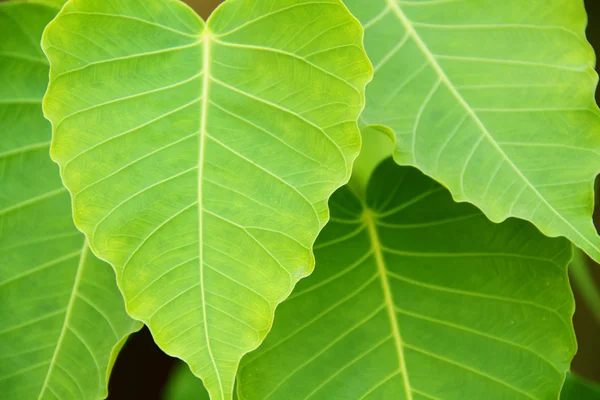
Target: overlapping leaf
x,y
183,385
577,388
200,157
493,99
584,282
62,317
416,297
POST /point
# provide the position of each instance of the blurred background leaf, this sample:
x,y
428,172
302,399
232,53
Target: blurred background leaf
x,y
183,385
577,388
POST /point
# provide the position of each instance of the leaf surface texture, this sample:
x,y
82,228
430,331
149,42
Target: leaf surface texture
x,y
495,101
415,297
63,320
200,156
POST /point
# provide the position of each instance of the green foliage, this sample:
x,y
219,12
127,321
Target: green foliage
x,y
183,385
63,318
201,157
496,102
577,388
584,281
409,285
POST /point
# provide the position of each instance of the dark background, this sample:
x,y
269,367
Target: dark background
x,y
142,369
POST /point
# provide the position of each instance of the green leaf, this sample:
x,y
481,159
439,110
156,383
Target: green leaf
x,y
63,318
495,101
416,297
200,158
577,388
584,282
183,385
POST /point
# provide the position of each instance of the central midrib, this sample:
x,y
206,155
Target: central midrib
x,y
388,297
206,40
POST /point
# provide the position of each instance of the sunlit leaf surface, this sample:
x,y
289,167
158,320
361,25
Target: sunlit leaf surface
x,y
200,157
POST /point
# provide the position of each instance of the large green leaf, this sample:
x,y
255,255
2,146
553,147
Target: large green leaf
x,y
416,297
200,158
493,99
577,388
62,316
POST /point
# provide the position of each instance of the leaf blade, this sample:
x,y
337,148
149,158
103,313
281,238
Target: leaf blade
x,y
488,109
60,303
197,171
471,305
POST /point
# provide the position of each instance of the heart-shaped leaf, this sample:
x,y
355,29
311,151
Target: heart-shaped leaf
x,y
200,156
